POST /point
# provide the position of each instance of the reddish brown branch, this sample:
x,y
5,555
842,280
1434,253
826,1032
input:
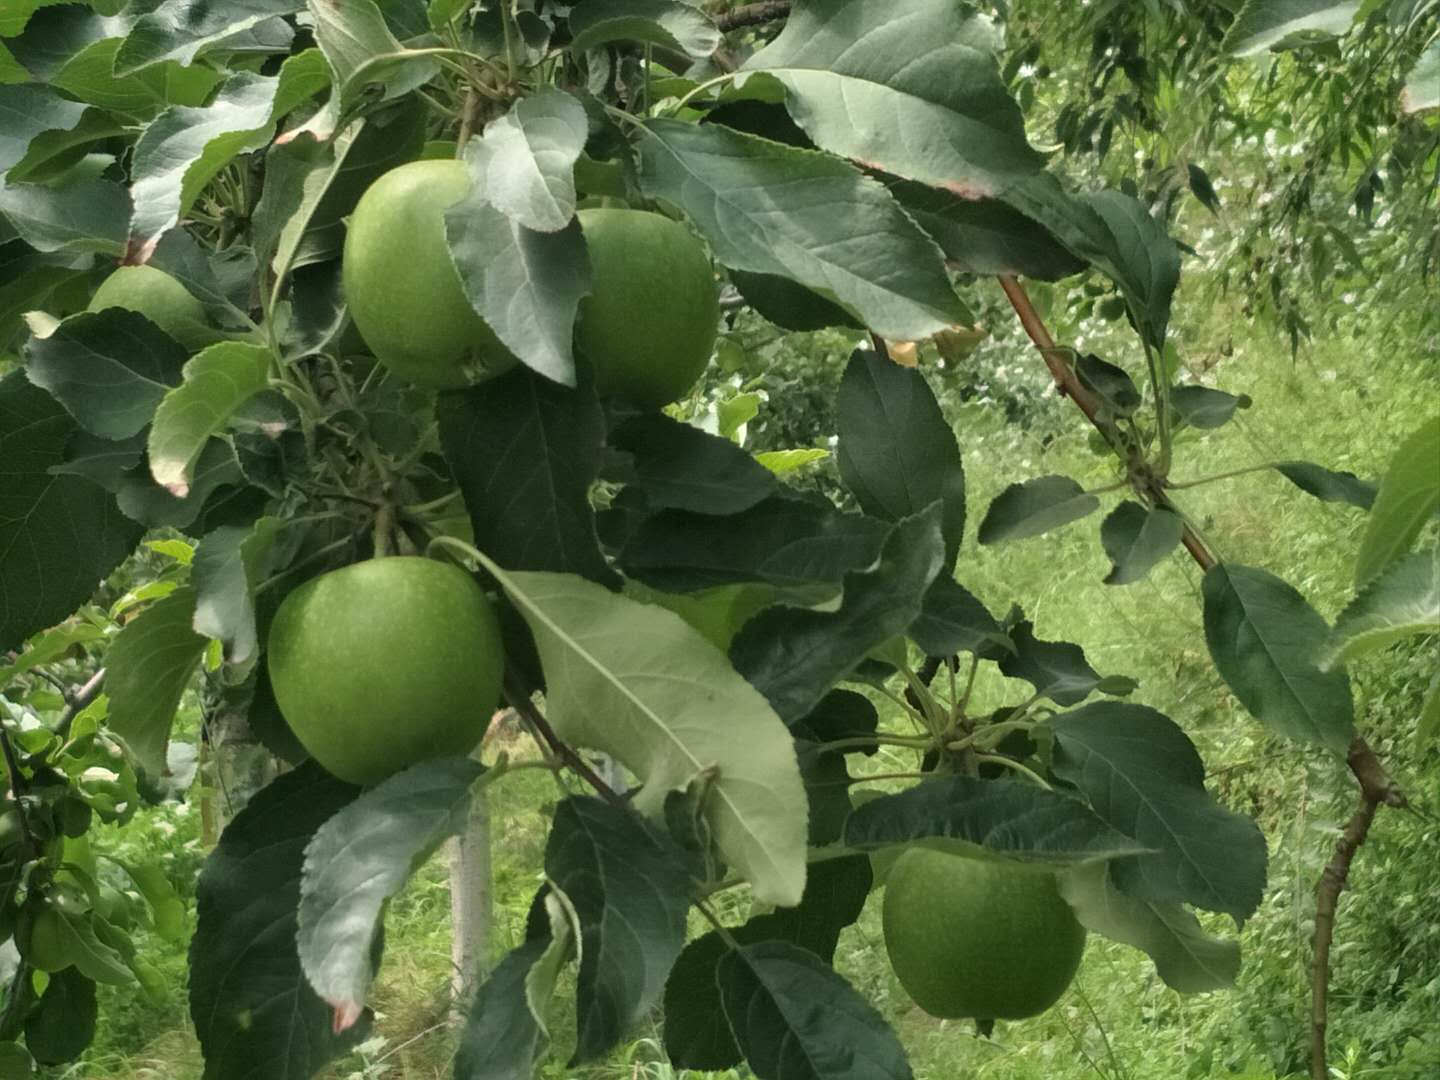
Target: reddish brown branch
x,y
1376,785
1327,898
752,15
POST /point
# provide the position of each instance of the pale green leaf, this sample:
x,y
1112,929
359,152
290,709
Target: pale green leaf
x,y
1422,85
525,163
149,667
1409,497
1287,24
781,462
1403,601
1186,958
217,382
640,684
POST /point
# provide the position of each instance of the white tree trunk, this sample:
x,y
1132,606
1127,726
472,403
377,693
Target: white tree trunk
x,y
471,905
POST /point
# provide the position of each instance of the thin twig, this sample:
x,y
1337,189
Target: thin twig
x,y
77,702
753,15
521,703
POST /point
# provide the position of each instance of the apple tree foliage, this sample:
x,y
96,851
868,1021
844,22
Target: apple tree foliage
x,y
669,599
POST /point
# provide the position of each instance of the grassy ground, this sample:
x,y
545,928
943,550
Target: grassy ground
x,y
1340,406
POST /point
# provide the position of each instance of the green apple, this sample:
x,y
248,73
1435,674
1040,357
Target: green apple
x,y
161,299
384,664
402,288
979,938
649,324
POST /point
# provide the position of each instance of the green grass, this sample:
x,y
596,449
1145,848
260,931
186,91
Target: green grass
x,y
1340,406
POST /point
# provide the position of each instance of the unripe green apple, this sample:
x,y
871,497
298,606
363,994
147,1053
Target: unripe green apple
x,y
649,324
979,938
161,299
402,288
384,664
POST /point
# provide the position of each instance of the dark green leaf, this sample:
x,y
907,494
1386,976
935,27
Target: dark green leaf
x,y
630,890
1266,643
772,209
184,148
927,103
86,215
526,285
220,280
788,305
1186,958
793,656
1115,233
794,1018
841,714
59,534
179,29
1287,24
1328,484
1011,818
697,1035
1136,538
786,541
1057,669
667,23
73,49
897,452
505,1034
1409,497
359,859
1204,408
1143,776
680,467
63,1023
110,369
255,1014
1111,383
1034,507
387,138
985,236
952,620
150,665
27,112
362,52
1202,188
145,501
524,452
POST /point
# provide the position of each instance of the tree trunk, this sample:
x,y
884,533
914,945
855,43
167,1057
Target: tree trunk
x,y
471,905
